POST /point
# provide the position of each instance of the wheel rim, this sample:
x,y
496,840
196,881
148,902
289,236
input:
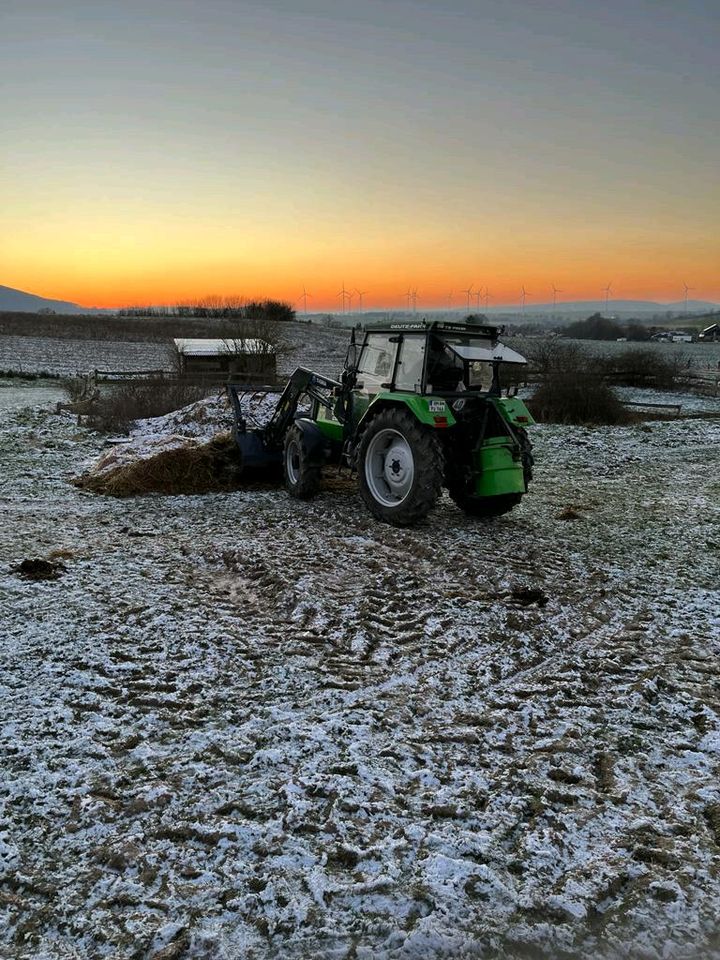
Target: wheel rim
x,y
292,461
389,467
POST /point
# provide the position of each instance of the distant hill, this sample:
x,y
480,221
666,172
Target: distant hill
x,y
564,311
625,309
19,301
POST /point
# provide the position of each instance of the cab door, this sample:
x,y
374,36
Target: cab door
x,y
377,363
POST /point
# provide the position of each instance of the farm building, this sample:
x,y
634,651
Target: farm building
x,y
711,333
223,359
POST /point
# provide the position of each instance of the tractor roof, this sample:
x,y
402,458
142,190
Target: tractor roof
x,y
474,326
203,347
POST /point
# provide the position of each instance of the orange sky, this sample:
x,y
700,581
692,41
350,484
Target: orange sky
x,y
168,153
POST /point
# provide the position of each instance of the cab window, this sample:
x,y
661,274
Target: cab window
x,y
376,361
410,364
480,375
444,368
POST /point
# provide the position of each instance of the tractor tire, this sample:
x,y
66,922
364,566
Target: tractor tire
x,y
302,475
400,468
527,457
484,506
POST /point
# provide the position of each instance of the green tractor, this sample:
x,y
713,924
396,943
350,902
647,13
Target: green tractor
x,y
419,407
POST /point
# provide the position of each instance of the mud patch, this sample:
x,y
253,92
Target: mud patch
x,y
36,568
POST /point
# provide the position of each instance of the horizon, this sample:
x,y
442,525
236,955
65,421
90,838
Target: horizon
x,y
692,306
161,152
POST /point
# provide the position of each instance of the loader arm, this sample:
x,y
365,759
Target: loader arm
x,y
302,383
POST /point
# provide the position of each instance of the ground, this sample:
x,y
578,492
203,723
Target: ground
x,y
241,726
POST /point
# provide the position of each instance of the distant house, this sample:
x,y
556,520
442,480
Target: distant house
x,y
672,336
711,333
223,360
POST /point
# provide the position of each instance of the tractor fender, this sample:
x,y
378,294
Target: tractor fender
x,y
427,410
314,440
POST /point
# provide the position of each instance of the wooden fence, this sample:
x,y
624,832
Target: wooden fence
x,y
172,377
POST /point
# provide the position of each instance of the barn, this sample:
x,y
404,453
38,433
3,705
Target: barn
x,y
222,360
711,333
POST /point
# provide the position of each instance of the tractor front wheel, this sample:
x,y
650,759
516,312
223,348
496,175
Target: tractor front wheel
x,y
302,476
400,468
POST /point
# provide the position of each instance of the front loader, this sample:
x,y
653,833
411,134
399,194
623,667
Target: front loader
x,y
418,407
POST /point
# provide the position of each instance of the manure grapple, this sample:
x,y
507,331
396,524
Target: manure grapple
x,y
418,407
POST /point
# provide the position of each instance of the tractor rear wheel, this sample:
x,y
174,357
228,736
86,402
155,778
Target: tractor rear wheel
x,y
484,506
302,476
400,468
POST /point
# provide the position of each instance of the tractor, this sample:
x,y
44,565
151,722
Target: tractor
x,y
419,406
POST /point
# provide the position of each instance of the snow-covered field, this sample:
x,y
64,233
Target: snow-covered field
x,y
71,357
320,348
686,402
238,726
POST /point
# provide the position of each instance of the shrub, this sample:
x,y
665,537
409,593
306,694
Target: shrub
x,y
115,410
277,311
643,368
572,388
28,375
595,327
574,397
79,389
637,331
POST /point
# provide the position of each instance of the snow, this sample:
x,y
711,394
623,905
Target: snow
x,y
687,402
71,357
243,726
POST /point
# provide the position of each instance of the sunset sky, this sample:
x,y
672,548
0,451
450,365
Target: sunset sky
x,y
160,150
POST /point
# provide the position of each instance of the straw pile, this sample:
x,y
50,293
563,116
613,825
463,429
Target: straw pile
x,y
194,467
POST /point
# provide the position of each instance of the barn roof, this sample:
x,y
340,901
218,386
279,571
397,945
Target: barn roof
x,y
211,348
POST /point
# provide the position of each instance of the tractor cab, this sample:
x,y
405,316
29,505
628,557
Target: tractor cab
x,y
432,357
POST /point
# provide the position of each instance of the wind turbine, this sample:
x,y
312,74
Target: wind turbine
x,y
556,291
304,298
687,290
361,294
408,295
478,294
468,292
487,296
449,300
607,290
523,297
343,293
414,300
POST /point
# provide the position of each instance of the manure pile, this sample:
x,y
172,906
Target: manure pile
x,y
190,451
194,467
